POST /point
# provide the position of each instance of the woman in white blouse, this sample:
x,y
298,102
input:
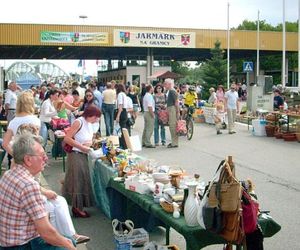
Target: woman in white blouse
x,y
48,111
122,116
24,116
77,188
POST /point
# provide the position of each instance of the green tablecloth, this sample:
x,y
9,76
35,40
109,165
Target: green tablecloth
x,y
100,176
142,210
100,173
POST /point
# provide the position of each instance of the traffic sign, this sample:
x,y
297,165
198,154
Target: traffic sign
x,y
247,66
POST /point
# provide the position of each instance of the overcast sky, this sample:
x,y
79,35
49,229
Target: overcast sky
x,y
207,14
154,13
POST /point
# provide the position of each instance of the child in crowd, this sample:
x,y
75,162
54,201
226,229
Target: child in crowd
x,y
218,117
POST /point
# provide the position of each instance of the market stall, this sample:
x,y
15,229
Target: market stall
x,y
140,196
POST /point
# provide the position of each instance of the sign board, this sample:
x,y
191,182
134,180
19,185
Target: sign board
x,y
247,66
259,100
154,38
74,37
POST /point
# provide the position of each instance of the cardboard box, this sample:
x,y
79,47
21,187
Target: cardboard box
x,y
138,238
138,186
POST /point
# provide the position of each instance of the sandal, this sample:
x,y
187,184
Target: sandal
x,y
79,239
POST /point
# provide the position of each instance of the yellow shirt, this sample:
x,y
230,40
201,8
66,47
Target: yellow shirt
x,y
189,98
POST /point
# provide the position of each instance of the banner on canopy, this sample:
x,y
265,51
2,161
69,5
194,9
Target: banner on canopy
x,y
167,39
74,37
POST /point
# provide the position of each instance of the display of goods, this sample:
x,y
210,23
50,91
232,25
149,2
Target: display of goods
x,y
270,117
270,130
161,177
168,207
199,119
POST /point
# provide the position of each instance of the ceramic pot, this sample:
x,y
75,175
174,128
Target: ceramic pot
x,y
191,205
175,179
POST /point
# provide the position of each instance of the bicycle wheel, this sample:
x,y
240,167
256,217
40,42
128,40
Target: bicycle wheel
x,y
190,128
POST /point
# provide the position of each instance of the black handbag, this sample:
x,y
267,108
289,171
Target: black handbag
x,y
130,121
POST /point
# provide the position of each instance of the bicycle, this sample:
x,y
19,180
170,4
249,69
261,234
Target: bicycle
x,y
188,117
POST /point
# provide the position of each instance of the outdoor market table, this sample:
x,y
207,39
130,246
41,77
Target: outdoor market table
x,y
101,172
288,115
141,209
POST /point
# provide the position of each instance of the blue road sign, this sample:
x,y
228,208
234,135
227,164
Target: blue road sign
x,y
247,66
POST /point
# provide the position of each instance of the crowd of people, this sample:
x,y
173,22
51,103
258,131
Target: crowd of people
x,y
30,115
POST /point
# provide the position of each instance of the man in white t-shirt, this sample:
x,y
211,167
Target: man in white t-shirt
x,y
231,106
11,101
149,107
81,91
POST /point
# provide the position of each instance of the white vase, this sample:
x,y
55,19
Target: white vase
x,y
191,205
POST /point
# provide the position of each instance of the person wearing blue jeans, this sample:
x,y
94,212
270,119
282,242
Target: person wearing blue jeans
x,y
158,126
108,112
108,107
38,244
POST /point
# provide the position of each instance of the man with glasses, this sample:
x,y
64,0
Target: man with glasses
x,y
231,106
24,222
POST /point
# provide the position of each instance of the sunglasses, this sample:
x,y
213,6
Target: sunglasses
x,y
89,96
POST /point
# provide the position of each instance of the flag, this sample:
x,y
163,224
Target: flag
x,y
80,63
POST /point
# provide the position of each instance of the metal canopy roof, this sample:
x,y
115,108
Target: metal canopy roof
x,y
116,53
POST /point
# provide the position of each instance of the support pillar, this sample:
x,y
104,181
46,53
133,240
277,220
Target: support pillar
x,y
149,70
109,65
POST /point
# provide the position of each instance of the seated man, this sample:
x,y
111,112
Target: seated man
x,y
24,222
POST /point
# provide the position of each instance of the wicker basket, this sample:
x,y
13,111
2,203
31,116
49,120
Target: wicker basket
x,y
271,117
270,130
168,207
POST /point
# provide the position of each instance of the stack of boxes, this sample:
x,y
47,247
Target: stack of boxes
x,y
199,116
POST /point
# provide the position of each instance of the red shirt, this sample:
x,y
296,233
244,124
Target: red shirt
x,y
21,203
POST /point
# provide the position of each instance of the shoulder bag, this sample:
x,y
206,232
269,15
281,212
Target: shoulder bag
x,y
227,191
250,213
67,147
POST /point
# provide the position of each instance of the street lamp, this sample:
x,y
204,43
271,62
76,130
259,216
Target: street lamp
x,y
83,17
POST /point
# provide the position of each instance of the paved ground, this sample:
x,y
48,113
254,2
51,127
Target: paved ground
x,y
272,164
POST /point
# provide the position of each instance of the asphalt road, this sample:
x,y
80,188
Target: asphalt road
x,y
272,164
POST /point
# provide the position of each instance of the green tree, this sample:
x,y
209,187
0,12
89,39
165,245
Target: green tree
x,y
263,26
181,68
214,70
